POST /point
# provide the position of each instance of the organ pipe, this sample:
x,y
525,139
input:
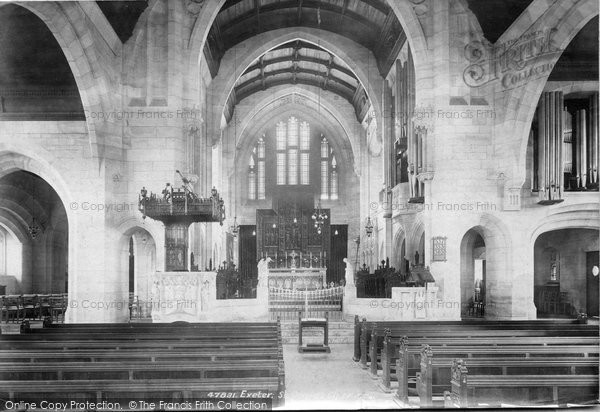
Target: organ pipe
x,y
567,141
594,139
550,145
582,148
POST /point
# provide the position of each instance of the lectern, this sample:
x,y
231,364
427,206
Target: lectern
x,y
313,323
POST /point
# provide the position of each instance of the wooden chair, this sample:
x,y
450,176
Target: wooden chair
x,y
11,306
31,306
45,305
58,306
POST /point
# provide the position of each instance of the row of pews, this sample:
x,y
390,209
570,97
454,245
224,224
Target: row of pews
x,y
121,363
17,308
479,363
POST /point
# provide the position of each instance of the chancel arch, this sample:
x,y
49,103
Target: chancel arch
x,y
238,59
290,127
324,105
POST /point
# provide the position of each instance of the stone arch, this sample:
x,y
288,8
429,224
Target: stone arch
x,y
586,216
145,259
562,284
521,103
40,162
344,141
399,250
416,232
36,160
238,58
497,242
22,281
245,145
405,12
65,20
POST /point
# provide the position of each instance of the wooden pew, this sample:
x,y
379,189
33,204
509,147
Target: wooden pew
x,y
493,390
150,355
474,328
483,357
122,362
155,390
434,377
392,346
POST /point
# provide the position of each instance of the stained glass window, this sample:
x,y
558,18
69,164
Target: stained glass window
x,y
334,179
304,136
256,171
281,133
324,180
304,167
292,166
293,152
292,137
252,185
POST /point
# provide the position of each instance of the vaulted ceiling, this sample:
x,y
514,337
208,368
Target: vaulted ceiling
x,y
371,23
33,194
299,62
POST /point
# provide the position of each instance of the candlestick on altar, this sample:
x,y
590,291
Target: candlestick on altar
x,y
286,259
320,259
310,253
301,264
276,260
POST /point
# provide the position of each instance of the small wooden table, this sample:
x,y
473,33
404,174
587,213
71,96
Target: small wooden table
x,y
313,323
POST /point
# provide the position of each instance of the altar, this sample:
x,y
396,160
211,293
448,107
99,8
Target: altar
x,y
297,278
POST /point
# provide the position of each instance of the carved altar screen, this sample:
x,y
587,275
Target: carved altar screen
x,y
286,233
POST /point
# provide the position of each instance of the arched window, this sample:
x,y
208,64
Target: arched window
x,y
329,172
293,152
256,171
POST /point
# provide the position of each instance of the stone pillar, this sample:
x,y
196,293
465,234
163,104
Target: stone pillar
x,y
96,295
349,288
262,287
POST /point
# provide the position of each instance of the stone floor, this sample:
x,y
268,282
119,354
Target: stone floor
x,y
330,381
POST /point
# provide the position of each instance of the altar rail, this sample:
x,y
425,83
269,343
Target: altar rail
x,y
286,303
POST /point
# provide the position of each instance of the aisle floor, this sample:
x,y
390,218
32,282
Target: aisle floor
x,y
330,381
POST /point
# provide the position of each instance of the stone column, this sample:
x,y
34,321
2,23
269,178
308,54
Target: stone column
x,y
349,288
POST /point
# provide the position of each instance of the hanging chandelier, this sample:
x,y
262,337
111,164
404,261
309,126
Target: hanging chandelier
x,y
34,229
369,227
319,217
